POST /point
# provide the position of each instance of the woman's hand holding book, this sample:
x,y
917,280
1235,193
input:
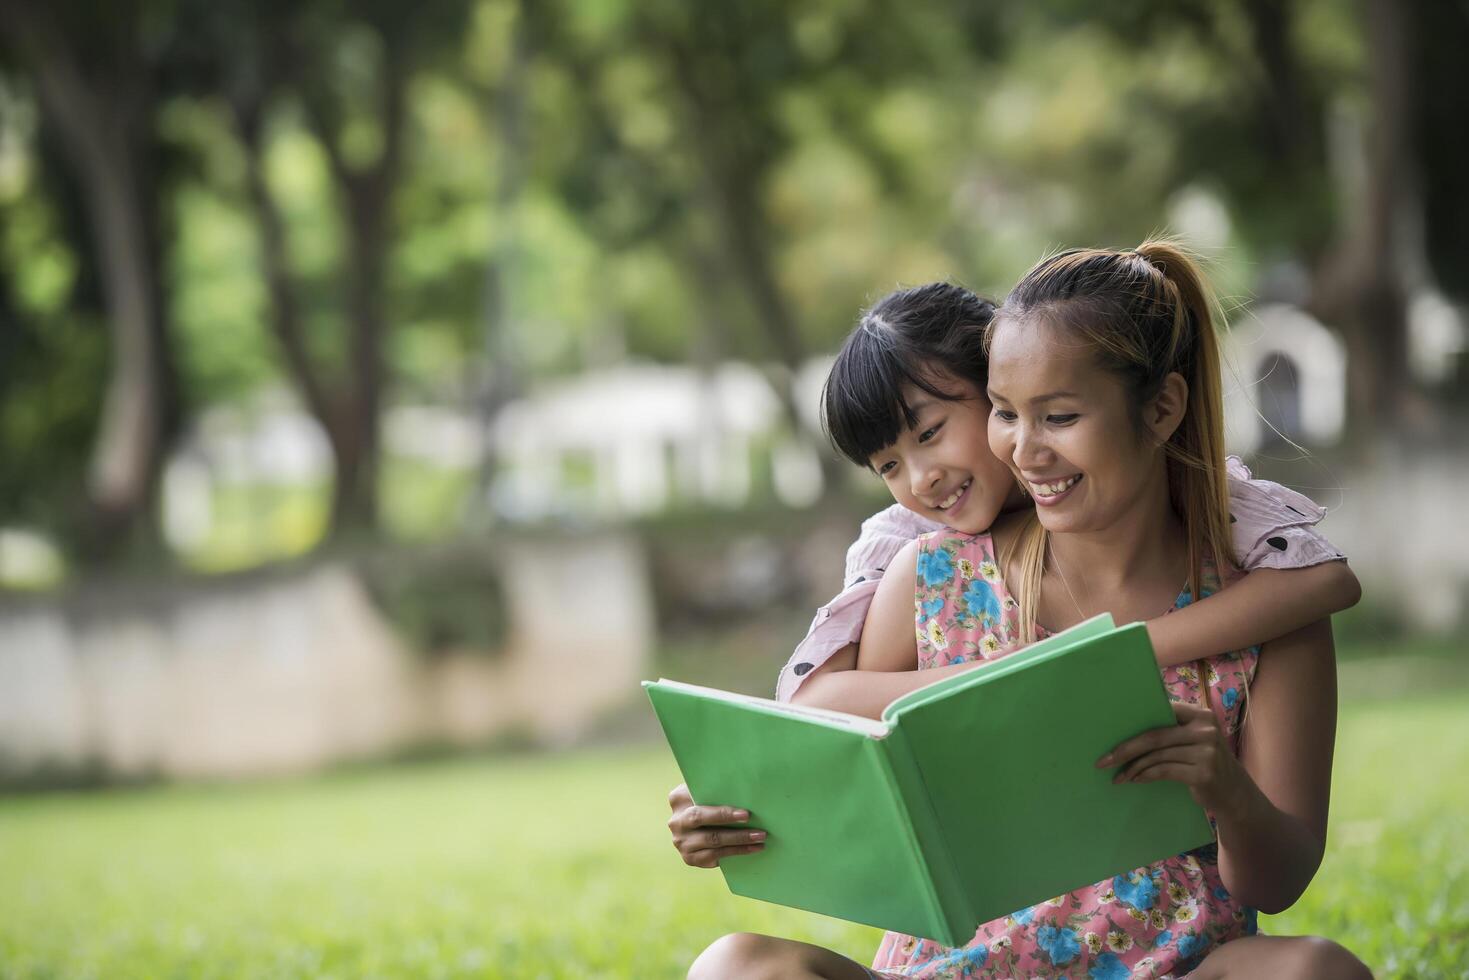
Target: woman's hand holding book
x,y
701,833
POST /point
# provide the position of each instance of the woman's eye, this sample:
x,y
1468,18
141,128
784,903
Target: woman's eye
x,y
1004,415
1062,419
928,434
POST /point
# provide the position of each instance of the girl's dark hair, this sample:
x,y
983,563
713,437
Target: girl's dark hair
x,y
909,337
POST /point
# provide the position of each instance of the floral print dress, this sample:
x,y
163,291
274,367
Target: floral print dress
x,y
1155,921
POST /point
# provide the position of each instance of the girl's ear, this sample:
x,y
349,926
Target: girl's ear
x,y
1165,413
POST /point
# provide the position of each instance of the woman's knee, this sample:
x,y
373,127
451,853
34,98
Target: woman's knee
x,y
1321,959
739,954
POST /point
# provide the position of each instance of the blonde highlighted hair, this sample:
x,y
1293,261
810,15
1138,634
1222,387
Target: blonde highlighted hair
x,y
1146,312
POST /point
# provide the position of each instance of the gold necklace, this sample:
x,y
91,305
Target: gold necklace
x,y
1062,572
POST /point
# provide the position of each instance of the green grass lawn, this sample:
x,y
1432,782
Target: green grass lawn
x,y
560,866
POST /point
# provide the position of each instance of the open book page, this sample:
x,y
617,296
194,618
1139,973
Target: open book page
x,y
1014,752
1051,645
870,727
841,842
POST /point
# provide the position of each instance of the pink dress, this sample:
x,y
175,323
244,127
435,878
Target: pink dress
x,y
1156,921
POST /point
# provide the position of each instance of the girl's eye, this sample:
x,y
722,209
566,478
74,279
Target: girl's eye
x,y
886,468
1062,419
1004,415
928,434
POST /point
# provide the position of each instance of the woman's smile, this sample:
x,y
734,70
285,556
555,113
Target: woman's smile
x,y
1049,493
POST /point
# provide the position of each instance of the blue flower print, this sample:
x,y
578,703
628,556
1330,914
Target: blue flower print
x,y
1024,915
1221,893
1163,939
1136,889
930,609
1060,944
965,961
982,602
1109,967
1190,944
935,567
1231,696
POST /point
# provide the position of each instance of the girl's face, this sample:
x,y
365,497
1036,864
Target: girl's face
x,y
1064,427
942,467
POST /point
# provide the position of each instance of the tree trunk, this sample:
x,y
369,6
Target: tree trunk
x,y
1360,287
496,381
95,118
365,197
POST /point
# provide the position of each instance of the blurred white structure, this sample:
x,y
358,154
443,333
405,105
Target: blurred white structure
x,y
632,439
605,444
1437,336
1283,366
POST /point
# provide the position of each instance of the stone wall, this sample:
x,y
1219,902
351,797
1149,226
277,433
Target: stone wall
x,y
288,672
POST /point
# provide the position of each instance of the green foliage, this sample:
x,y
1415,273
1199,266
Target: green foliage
x,y
559,866
663,181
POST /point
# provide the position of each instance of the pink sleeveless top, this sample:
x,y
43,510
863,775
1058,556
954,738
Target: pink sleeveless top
x,y
1155,921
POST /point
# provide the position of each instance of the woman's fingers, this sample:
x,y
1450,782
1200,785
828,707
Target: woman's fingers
x,y
1181,772
701,833
694,816
705,848
1195,724
711,858
1158,738
713,840
1187,755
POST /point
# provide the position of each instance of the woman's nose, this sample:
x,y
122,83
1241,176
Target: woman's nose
x,y
1030,447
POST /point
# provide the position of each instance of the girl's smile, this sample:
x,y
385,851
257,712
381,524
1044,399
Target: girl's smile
x,y
941,466
957,497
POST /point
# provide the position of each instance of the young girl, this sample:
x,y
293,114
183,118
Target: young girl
x,y
1139,508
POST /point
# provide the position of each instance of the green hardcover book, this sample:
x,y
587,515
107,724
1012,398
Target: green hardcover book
x,y
971,798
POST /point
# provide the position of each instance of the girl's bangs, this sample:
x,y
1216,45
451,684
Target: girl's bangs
x,y
864,408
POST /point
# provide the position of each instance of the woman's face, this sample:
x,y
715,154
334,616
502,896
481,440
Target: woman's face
x,y
942,467
1063,425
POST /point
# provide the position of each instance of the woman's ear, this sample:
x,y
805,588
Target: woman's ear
x,y
1164,414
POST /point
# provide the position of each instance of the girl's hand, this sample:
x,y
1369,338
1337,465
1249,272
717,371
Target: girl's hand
x,y
1192,752
702,848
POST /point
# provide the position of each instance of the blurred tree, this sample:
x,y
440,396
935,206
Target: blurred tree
x,y
704,130
1361,282
502,89
347,69
95,70
1437,46
1261,131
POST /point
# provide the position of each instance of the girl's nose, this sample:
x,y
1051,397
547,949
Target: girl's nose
x,y
925,478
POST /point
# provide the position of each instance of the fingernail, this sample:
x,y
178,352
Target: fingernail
x,y
1104,761
742,814
757,835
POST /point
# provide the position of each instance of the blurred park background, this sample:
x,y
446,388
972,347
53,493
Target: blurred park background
x,y
386,388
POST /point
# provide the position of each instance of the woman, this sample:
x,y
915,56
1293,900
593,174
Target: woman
x,y
1105,383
